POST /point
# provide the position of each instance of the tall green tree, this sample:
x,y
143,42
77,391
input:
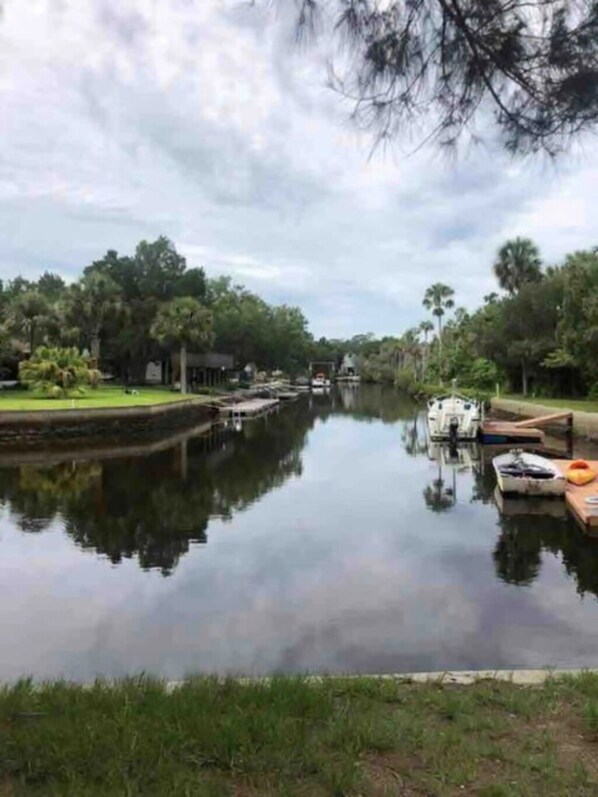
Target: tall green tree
x,y
425,328
517,263
578,322
183,322
243,323
154,275
51,286
91,302
31,311
438,299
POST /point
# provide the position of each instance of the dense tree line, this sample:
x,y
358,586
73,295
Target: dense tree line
x,y
539,336
126,310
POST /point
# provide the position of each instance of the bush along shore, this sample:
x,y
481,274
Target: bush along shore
x,y
290,736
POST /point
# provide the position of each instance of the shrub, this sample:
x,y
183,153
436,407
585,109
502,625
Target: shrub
x,y
483,374
58,373
404,380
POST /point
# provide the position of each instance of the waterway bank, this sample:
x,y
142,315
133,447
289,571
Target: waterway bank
x,y
291,736
32,428
585,424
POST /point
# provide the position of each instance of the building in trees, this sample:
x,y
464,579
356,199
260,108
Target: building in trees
x,y
206,369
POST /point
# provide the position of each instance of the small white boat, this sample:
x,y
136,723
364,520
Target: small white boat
x,y
528,474
320,380
454,417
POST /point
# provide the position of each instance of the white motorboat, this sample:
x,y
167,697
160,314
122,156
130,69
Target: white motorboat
x,y
528,474
454,417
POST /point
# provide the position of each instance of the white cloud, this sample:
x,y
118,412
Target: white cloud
x,y
202,120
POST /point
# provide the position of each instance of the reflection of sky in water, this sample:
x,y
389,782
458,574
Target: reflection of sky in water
x,y
343,568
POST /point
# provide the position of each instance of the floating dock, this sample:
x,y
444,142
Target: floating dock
x,y
504,432
250,408
520,432
586,514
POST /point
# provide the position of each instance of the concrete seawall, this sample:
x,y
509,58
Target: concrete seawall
x,y
24,429
585,424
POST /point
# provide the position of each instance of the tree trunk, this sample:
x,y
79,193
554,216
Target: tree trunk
x,y
31,338
524,378
137,371
95,346
440,348
183,369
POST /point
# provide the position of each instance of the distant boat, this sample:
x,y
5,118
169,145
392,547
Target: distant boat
x,y
528,474
454,417
320,380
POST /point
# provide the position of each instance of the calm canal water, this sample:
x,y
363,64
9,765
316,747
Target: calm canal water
x,y
328,537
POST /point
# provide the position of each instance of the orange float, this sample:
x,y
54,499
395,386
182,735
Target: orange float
x,y
579,472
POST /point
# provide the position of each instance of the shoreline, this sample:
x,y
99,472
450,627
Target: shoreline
x,y
26,429
326,738
585,424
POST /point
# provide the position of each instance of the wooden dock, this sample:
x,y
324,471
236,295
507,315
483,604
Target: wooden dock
x,y
249,409
576,496
521,432
503,432
546,420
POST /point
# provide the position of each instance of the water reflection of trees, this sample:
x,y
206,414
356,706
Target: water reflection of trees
x,y
523,539
441,494
155,507
528,527
438,496
369,403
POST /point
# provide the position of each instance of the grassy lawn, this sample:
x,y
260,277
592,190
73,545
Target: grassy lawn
x,y
565,404
105,396
288,737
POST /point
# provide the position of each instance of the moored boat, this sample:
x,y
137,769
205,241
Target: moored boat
x,y
320,380
454,417
521,473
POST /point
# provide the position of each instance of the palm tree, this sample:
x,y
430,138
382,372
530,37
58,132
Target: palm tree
x,y
412,349
439,298
517,262
91,302
183,322
57,372
31,310
425,328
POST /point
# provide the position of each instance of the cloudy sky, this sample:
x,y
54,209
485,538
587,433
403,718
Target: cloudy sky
x,y
203,121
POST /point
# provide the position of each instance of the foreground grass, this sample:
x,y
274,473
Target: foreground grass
x,y
289,737
105,396
565,404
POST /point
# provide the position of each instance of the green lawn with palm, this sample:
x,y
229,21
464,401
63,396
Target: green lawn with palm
x,y
101,397
583,405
